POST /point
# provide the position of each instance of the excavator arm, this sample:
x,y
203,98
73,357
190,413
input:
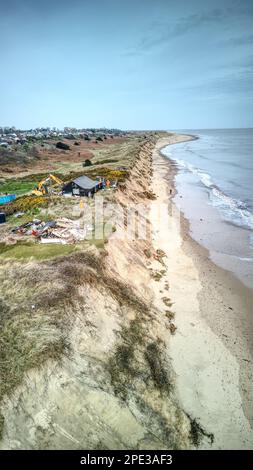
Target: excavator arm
x,y
56,179
42,186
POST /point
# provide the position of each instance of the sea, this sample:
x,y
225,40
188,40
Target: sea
x,y
214,186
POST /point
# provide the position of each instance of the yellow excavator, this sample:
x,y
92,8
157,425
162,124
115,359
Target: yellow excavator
x,y
44,185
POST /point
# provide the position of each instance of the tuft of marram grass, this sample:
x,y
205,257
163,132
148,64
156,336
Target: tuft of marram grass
x,y
1,425
158,367
27,343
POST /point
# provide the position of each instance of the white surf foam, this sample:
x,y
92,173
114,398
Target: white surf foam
x,y
233,210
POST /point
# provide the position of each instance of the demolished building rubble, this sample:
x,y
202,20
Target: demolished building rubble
x,y
63,230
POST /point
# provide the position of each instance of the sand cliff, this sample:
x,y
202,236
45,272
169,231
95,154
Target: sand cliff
x,y
115,386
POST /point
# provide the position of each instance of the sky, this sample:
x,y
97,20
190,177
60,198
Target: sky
x,y
133,64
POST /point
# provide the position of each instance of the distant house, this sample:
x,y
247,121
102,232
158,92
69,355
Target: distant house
x,y
81,186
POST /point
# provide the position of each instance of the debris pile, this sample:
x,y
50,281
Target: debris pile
x,y
61,231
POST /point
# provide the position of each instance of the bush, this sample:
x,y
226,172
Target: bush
x,y
99,139
24,204
87,163
62,146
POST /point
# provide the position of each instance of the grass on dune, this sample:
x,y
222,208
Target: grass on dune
x,y
29,250
16,187
34,302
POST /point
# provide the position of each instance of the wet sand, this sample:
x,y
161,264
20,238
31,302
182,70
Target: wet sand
x,y
228,245
212,350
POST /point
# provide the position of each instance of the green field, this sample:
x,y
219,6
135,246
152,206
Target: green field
x,y
16,187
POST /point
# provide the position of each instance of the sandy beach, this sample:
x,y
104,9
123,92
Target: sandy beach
x,y
211,352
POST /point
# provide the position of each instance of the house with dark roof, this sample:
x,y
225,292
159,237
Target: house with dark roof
x,y
81,186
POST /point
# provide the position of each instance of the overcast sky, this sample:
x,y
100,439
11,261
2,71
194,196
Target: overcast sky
x,y
133,64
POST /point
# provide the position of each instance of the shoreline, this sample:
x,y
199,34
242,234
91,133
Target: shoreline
x,y
230,247
212,349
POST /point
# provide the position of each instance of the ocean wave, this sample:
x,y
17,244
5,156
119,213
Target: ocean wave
x,y
197,154
233,210
217,161
205,178
243,258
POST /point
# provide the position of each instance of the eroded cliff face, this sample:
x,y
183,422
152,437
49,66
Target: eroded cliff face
x,y
112,386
